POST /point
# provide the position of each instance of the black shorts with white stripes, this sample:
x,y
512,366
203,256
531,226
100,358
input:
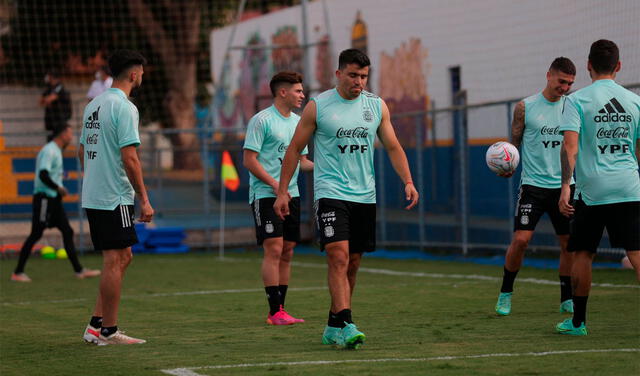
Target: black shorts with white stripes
x,y
48,211
112,229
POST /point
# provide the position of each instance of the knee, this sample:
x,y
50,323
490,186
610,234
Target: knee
x,y
338,262
287,254
520,243
126,259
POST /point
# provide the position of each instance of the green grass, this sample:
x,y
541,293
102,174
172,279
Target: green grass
x,y
403,317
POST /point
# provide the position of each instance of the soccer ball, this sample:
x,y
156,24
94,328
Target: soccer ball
x,y
502,158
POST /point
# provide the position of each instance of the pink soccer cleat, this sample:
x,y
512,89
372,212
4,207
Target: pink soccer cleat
x,y
295,320
280,318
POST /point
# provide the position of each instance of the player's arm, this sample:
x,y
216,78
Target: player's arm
x,y
133,169
251,163
517,131
44,176
568,155
306,165
46,100
304,131
81,156
517,125
397,155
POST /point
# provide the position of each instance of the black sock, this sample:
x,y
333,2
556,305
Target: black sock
x,y
283,293
565,288
96,322
579,310
507,280
273,296
108,330
345,317
334,321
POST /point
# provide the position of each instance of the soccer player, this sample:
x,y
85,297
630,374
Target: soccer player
x,y
112,173
534,129
344,122
601,128
268,135
48,209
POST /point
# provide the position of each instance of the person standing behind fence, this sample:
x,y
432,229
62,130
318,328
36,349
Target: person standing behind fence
x,y
534,129
268,135
112,173
344,122
601,129
48,208
102,82
56,101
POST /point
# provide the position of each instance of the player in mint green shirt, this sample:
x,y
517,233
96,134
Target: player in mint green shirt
x,y
344,123
112,173
268,136
535,129
601,129
48,208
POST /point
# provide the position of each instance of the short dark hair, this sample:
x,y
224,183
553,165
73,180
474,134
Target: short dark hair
x,y
604,56
564,65
60,129
284,78
353,56
121,60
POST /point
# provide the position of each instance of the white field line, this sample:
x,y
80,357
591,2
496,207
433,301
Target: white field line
x,y
165,294
190,371
477,277
458,276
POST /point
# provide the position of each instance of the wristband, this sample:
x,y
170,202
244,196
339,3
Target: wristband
x,y
409,182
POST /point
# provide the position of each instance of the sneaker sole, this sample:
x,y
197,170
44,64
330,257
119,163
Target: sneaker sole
x,y
355,342
503,313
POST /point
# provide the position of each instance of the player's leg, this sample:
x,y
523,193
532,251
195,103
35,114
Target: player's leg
x,y
62,223
112,232
625,232
338,265
291,236
38,225
634,259
529,208
561,226
269,234
586,232
354,265
512,264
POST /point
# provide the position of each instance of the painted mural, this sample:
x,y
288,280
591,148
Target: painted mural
x,y
403,86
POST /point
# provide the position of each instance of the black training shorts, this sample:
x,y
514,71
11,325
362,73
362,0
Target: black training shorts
x,y
533,202
269,225
339,220
112,229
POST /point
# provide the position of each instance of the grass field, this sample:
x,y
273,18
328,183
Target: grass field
x,y
202,316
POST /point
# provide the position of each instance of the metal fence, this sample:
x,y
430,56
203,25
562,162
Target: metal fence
x,y
463,206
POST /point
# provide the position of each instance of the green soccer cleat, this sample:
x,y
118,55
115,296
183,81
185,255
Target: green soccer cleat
x,y
566,306
331,335
503,307
352,338
566,327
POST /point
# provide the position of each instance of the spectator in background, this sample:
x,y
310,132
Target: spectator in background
x,y
100,84
56,101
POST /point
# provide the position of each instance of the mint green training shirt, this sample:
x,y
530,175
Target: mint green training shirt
x,y
109,123
607,118
541,142
344,143
269,134
50,159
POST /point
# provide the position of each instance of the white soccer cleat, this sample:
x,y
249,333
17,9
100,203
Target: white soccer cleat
x,y
119,338
91,334
20,277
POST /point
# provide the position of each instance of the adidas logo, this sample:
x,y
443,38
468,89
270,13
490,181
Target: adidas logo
x,y
612,112
92,120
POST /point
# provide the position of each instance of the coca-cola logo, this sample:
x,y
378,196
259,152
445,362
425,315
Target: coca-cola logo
x,y
357,132
619,132
282,148
549,131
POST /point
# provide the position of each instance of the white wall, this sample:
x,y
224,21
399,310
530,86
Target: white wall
x,y
504,47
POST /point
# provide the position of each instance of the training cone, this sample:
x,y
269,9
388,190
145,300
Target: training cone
x,y
61,253
48,252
